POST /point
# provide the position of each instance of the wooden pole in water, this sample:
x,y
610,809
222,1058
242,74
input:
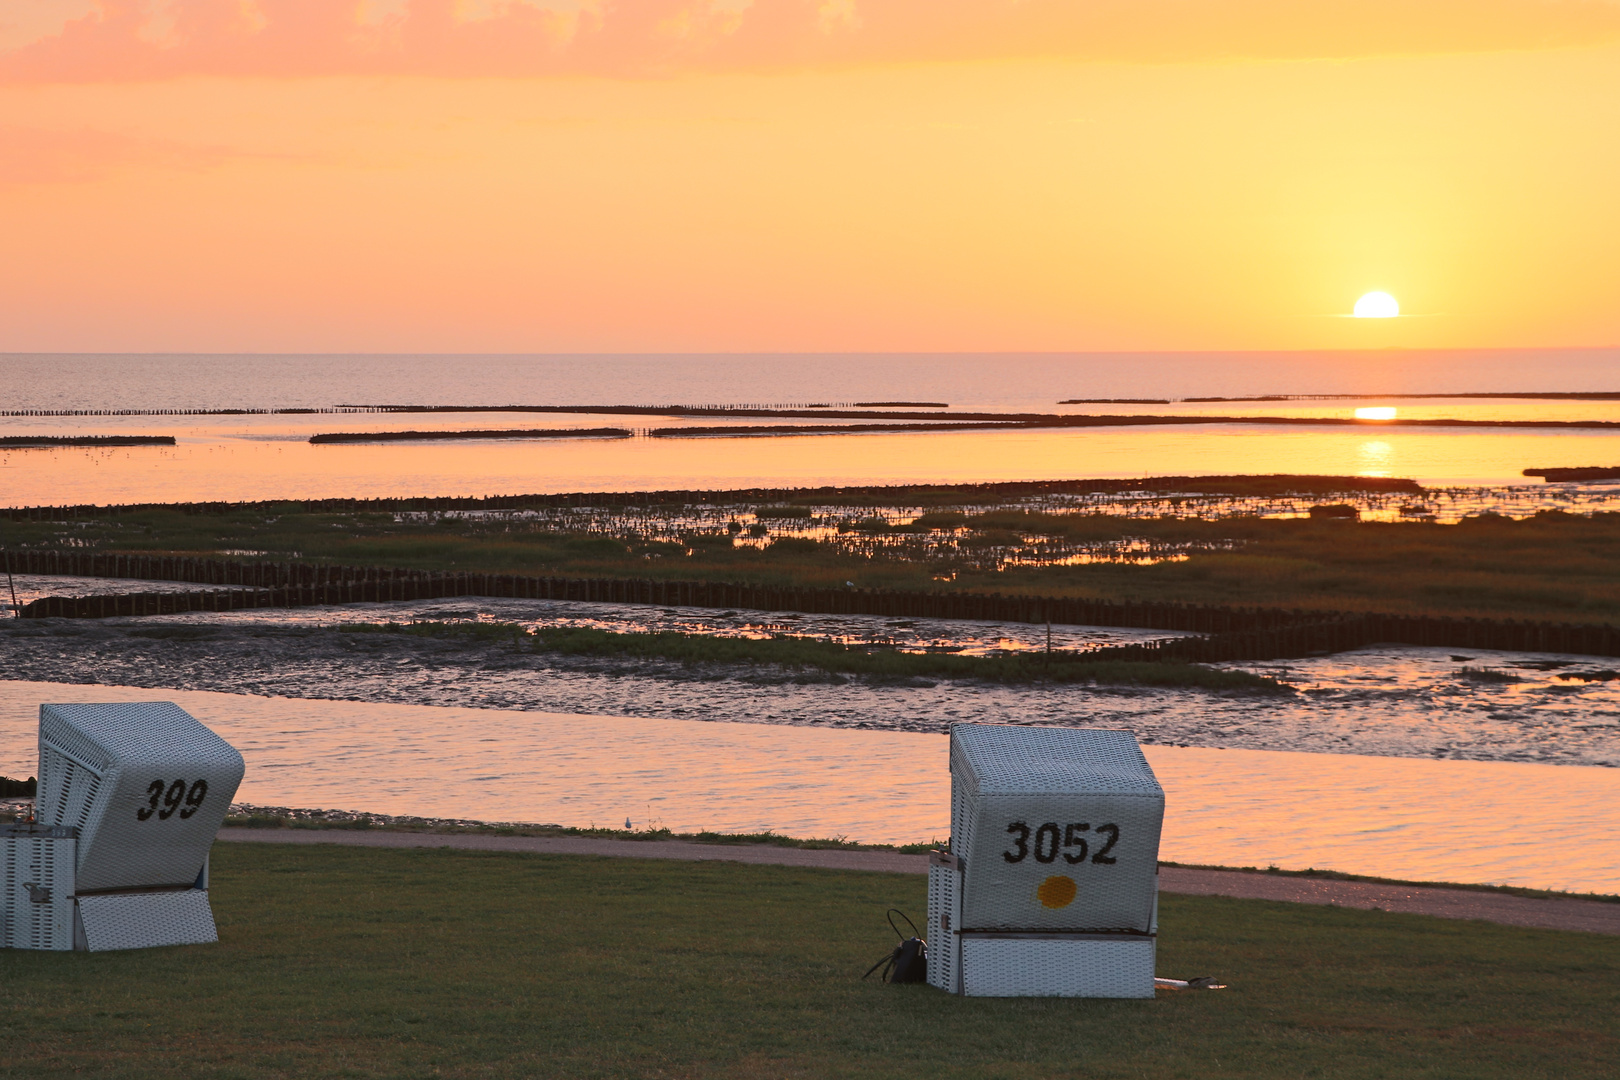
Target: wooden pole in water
x,y
16,611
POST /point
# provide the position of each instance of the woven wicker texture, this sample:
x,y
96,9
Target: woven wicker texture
x,y
146,785
944,916
1054,967
1000,760
146,920
1057,829
962,818
36,887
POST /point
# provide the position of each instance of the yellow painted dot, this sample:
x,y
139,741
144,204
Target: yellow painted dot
x,y
1056,891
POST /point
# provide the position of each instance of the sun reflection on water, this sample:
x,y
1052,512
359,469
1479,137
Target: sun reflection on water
x,y
1375,458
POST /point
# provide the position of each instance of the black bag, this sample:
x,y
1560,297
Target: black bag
x,y
908,963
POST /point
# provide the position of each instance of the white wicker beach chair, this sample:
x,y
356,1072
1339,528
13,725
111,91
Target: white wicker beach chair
x,y
130,799
1050,886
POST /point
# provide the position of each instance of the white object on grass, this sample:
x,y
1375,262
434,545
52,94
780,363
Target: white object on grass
x,y
1051,884
139,790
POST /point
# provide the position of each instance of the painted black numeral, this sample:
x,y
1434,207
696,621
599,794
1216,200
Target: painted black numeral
x,y
172,794
1020,835
1072,838
1046,842
1112,832
1050,839
194,798
171,799
154,792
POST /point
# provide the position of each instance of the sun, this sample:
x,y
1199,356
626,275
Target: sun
x,y
1377,305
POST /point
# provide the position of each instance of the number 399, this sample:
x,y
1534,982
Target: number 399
x,y
174,796
1048,846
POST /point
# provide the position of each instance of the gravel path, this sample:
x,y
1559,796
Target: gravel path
x,y
1590,916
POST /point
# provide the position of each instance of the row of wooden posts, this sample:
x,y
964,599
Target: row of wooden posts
x,y
166,412
1228,633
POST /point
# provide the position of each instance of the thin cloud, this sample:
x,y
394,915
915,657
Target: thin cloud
x,y
120,40
38,156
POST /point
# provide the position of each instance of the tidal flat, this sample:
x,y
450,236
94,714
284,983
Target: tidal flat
x,y
1390,701
1548,553
1332,544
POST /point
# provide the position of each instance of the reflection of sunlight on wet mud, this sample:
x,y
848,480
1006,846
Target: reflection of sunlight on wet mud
x,y
869,530
1375,458
1391,700
968,637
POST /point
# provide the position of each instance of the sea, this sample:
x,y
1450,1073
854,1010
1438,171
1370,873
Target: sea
x,y
266,455
1390,740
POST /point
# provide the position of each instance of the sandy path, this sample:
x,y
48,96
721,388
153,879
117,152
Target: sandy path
x,y
1591,916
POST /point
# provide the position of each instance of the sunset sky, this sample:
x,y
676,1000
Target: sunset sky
x,y
674,175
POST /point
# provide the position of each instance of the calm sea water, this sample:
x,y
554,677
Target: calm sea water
x,y
977,381
268,456
1492,822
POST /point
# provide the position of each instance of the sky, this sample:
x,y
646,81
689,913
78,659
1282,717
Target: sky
x,y
806,175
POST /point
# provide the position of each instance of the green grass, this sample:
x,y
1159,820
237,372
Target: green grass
x,y
342,962
1554,566
805,654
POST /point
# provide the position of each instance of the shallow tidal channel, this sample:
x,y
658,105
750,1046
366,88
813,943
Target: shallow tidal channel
x,y
1535,825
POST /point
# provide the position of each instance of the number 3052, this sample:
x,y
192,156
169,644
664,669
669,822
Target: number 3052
x,y
1068,840
173,796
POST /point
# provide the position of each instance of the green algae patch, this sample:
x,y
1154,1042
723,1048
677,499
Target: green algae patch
x,y
837,659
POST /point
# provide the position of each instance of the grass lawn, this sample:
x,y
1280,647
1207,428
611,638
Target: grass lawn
x,y
358,963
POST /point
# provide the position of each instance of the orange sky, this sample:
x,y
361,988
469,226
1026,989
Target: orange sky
x,y
806,174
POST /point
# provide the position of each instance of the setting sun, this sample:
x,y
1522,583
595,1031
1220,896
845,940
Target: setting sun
x,y
1376,412
1377,305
